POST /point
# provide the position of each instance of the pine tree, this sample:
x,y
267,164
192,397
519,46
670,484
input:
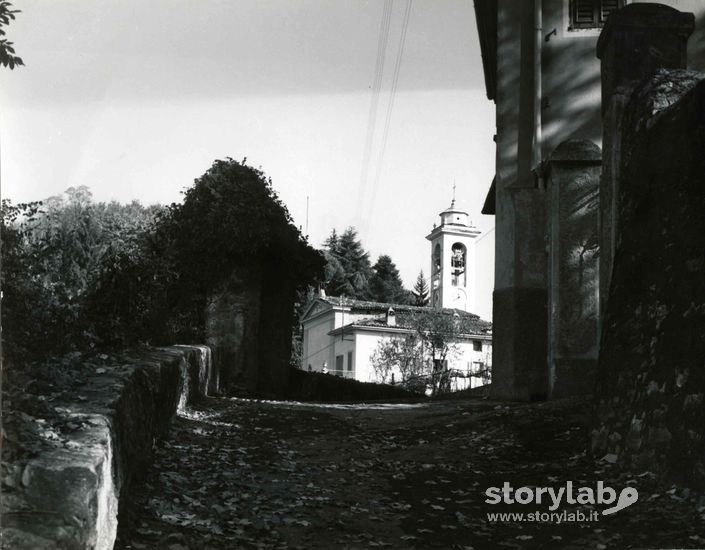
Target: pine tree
x,y
348,269
420,291
386,284
331,243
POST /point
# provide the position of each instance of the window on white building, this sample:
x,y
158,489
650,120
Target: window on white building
x,y
339,362
591,14
477,345
350,360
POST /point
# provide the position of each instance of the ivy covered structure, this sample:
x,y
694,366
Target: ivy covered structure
x,y
242,258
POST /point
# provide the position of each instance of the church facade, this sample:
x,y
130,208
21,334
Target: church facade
x,y
341,334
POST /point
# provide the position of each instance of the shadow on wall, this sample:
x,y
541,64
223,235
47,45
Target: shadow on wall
x,y
570,93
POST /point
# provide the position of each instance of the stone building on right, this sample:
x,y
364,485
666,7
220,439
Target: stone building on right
x,y
561,73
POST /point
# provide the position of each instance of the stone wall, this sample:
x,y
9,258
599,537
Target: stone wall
x,y
275,334
651,389
62,488
635,42
232,332
249,327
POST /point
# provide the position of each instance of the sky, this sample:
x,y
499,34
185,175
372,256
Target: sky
x,y
137,99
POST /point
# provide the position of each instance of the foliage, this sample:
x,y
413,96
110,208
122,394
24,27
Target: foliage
x,y
421,291
303,299
230,217
130,300
19,293
53,259
348,269
7,48
422,356
231,226
79,274
404,354
439,331
385,284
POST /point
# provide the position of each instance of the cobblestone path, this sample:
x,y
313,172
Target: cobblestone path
x,y
251,474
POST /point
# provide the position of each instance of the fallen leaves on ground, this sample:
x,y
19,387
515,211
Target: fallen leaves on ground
x,y
248,474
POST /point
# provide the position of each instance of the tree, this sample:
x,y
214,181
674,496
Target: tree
x,y
422,355
7,48
385,283
348,266
331,243
230,228
405,353
336,280
78,274
54,257
19,292
421,291
230,217
439,332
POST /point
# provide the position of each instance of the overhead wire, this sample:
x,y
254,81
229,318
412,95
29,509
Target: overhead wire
x,y
382,42
392,97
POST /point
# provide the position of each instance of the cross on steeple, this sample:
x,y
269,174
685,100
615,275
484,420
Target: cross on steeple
x,y
452,203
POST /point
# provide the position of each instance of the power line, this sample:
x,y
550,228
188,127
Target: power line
x,y
382,41
392,97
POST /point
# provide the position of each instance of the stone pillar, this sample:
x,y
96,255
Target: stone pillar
x,y
573,195
636,41
519,369
232,330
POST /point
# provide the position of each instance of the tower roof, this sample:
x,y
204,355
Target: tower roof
x,y
453,210
454,220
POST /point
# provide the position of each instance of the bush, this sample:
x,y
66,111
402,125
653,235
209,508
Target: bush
x,y
80,275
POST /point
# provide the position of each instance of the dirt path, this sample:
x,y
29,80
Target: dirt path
x,y
247,474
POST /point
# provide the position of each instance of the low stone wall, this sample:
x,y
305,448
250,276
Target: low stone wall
x,y
62,489
315,386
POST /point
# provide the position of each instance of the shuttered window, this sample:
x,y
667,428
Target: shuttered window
x,y
591,14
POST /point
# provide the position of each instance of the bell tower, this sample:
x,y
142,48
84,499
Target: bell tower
x,y
453,260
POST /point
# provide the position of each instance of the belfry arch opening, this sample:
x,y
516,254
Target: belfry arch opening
x,y
437,259
458,260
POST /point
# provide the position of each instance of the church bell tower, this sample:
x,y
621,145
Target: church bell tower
x,y
453,260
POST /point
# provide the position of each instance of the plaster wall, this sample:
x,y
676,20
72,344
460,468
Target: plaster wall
x,y
342,345
366,343
316,345
463,359
548,91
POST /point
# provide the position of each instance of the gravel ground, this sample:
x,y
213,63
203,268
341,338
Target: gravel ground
x,y
252,474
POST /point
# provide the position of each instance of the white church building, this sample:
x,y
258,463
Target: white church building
x,y
341,334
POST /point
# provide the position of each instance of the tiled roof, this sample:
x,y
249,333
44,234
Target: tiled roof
x,y
365,305
383,307
404,315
